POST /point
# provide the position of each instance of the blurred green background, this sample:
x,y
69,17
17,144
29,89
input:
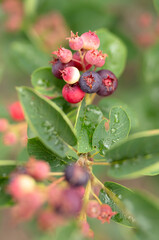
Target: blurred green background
x,y
31,29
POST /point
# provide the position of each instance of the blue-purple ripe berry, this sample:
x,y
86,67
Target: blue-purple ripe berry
x,y
109,83
76,176
90,82
58,67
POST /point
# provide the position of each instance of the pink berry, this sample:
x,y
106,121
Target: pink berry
x,y
71,75
85,228
80,190
38,169
3,124
21,185
64,55
9,138
92,56
47,220
101,59
72,93
90,40
93,209
54,195
95,57
106,213
28,206
75,42
16,111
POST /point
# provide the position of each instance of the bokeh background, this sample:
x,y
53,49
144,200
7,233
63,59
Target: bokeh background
x,y
31,29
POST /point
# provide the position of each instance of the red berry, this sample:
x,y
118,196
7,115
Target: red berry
x,y
93,209
16,111
9,139
20,185
72,93
71,75
75,42
3,124
38,169
64,55
106,213
90,40
145,20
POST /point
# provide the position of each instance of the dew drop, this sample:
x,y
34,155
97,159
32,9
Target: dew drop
x,y
116,165
113,130
4,175
120,196
116,118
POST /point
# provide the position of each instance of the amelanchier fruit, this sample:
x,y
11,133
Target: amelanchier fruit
x,y
73,68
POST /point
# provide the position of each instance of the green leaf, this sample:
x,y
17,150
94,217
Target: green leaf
x,y
5,199
23,156
47,121
88,117
45,83
135,157
150,64
119,127
39,151
116,50
135,167
138,144
120,192
27,56
156,4
6,167
145,209
63,104
69,231
30,7
72,115
30,133
107,103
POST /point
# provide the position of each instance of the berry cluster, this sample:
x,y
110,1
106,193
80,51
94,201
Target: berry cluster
x,y
67,66
16,132
54,204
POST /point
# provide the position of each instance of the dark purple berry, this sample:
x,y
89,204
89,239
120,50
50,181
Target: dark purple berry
x,y
58,67
76,176
90,82
109,83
